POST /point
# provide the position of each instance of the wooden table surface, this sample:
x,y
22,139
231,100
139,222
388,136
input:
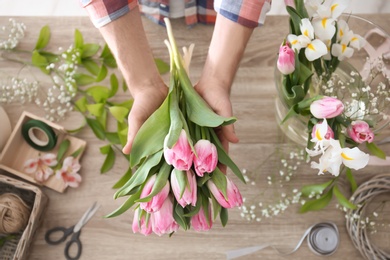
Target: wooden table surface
x,y
253,97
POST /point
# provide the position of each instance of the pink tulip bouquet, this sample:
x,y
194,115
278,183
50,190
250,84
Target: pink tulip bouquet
x,y
310,58
176,153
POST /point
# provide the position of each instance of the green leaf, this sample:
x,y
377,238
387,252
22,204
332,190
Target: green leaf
x,y
120,113
202,180
91,66
98,93
176,123
81,104
375,150
161,181
178,215
342,200
38,60
224,158
96,128
113,137
317,204
95,109
83,79
162,66
295,20
78,40
108,58
197,207
127,103
216,207
220,181
44,38
315,188
50,57
150,138
109,161
125,178
102,73
102,119
62,149
126,205
182,180
351,179
114,85
105,149
224,216
90,49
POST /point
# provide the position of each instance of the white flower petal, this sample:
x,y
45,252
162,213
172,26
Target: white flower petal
x,y
354,158
315,50
307,28
324,28
294,41
337,7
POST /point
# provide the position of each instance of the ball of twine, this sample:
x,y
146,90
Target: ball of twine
x,y
356,230
14,213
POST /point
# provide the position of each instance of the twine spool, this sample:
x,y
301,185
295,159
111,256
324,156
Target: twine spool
x,y
14,213
357,232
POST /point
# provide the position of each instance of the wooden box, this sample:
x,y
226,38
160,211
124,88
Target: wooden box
x,y
17,151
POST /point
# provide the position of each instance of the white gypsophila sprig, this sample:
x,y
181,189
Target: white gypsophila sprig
x,y
18,90
11,34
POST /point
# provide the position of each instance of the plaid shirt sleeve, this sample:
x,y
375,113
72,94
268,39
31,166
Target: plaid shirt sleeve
x,y
250,13
102,12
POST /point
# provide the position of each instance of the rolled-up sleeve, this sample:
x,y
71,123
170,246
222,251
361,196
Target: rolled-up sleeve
x,y
249,13
102,12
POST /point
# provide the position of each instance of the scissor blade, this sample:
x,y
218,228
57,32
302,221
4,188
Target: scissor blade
x,y
86,217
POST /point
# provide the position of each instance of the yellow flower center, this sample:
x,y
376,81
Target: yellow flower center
x,y
324,22
318,136
333,7
341,32
343,47
306,33
346,157
311,47
294,42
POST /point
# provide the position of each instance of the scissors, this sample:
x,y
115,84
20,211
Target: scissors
x,y
75,230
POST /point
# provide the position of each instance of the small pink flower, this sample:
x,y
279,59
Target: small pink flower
x,y
206,158
162,220
69,172
157,201
234,198
139,225
40,166
360,132
289,3
201,222
286,60
326,107
189,195
180,155
317,135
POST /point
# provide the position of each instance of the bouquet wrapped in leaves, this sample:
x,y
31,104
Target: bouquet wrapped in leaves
x,y
176,153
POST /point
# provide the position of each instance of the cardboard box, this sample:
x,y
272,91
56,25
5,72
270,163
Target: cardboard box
x,y
17,151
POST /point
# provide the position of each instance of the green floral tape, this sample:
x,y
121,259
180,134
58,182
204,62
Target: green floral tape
x,y
39,135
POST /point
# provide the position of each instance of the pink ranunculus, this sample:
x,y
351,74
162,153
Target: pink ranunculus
x,y
234,198
140,225
162,220
69,172
180,155
201,222
360,132
286,60
157,201
41,166
189,195
326,107
329,134
206,157
289,3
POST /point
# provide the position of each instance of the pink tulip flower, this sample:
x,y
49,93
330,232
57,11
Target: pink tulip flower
x,y
41,166
289,3
189,195
201,222
157,201
360,132
234,198
329,134
206,158
140,226
69,172
180,155
162,220
326,107
286,60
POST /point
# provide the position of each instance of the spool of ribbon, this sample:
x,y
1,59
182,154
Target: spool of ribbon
x,y
322,238
39,135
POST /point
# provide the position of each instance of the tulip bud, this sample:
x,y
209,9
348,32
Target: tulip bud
x,y
360,132
201,222
286,60
234,198
180,155
139,225
206,158
326,107
289,3
162,220
156,202
189,195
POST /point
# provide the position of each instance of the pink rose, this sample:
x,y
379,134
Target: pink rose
x,y
206,158
286,60
180,155
139,225
201,222
326,107
162,220
189,196
360,132
157,201
234,198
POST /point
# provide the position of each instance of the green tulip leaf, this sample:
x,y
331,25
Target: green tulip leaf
x,y
178,215
176,122
44,38
206,210
197,207
220,181
161,181
216,207
126,205
224,216
109,161
125,178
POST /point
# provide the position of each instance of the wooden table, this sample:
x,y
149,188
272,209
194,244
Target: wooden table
x,y
253,101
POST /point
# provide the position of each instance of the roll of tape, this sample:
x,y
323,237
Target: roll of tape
x,y
5,128
39,135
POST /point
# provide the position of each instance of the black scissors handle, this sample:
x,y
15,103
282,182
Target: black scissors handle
x,y
64,233
74,240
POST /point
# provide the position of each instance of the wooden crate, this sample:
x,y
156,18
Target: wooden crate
x,y
17,151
